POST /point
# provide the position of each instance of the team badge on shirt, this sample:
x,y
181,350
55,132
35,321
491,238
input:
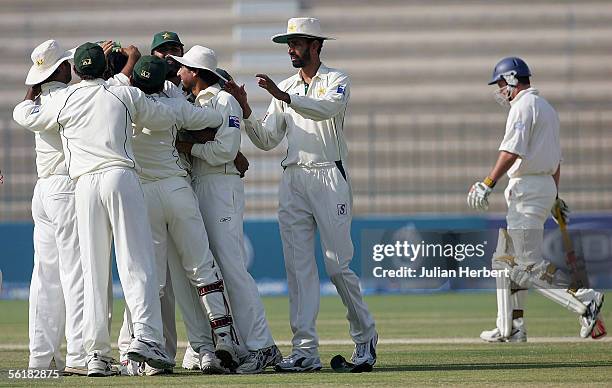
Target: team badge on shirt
x,y
234,122
340,89
342,209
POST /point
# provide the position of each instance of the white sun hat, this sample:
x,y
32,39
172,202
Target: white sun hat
x,y
301,28
46,57
200,57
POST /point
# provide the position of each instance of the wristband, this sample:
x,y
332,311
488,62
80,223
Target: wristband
x,y
489,182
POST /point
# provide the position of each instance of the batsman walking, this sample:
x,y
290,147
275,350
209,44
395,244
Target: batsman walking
x,y
530,154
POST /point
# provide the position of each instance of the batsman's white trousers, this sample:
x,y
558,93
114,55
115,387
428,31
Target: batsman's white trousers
x,y
529,199
221,198
110,206
56,289
311,198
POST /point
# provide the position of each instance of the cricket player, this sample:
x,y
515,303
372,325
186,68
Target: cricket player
x,y
173,209
95,120
56,288
220,192
315,192
530,153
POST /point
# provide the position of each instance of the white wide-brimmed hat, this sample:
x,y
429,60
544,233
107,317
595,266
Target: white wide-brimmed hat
x,y
46,57
200,57
301,28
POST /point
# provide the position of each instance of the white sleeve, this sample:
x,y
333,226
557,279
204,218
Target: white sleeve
x,y
269,132
225,146
118,80
328,105
518,132
150,113
36,118
173,91
198,117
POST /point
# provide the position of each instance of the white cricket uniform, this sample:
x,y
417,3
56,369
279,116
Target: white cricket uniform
x,y
217,184
95,120
56,288
315,192
532,133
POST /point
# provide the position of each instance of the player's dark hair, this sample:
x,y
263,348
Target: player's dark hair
x,y
114,64
207,76
87,77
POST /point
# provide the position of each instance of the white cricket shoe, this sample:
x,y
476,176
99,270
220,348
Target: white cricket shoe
x,y
130,368
226,352
210,364
191,360
519,333
98,366
365,353
589,318
149,352
298,363
259,360
150,371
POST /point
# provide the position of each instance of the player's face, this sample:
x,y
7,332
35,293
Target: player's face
x,y
501,95
187,76
299,51
164,51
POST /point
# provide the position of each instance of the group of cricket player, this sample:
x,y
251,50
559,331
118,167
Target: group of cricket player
x,y
143,154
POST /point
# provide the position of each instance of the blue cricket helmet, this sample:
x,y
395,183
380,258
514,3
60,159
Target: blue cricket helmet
x,y
510,67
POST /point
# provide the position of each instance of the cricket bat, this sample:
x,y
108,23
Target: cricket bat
x,y
577,269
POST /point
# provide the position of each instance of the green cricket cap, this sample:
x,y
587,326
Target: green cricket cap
x,y
165,37
89,59
150,71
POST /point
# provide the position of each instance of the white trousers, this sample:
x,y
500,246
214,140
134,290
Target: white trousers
x,y
181,246
110,206
310,199
168,321
529,199
221,199
56,289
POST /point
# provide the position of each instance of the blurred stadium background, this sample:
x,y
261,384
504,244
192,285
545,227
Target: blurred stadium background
x,y
422,124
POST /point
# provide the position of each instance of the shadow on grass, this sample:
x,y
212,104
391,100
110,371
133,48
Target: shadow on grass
x,y
496,366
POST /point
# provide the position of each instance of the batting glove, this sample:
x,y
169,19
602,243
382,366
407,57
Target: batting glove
x,y
560,208
478,196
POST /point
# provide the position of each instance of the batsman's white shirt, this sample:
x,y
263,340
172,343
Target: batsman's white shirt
x,y
315,193
532,132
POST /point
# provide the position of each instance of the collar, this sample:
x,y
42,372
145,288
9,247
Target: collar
x,y
522,93
88,82
322,72
207,94
47,86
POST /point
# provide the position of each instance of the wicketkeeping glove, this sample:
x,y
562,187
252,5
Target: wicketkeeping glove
x,y
560,207
478,196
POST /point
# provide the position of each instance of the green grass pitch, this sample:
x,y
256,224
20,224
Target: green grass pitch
x,y
400,319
